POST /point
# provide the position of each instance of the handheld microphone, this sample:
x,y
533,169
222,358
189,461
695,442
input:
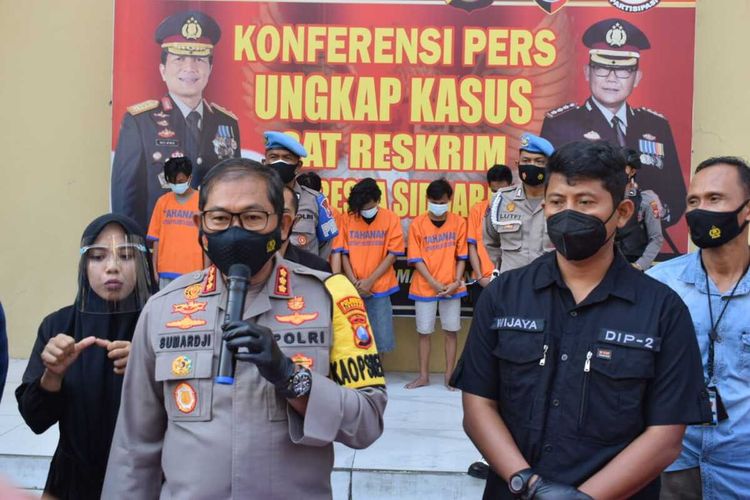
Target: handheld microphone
x,y
239,276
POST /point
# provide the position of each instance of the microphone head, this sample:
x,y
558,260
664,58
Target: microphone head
x,y
239,271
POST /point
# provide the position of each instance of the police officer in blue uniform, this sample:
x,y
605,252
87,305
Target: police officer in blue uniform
x,y
180,123
315,226
580,372
613,72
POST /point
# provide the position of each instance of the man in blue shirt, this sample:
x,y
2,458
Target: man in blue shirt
x,y
715,285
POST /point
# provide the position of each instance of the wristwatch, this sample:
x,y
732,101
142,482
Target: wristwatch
x,y
518,483
298,385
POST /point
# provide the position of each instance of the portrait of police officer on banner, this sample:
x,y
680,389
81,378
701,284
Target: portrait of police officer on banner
x,y
613,72
180,123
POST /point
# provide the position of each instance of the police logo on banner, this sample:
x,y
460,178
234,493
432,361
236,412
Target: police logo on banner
x,y
634,6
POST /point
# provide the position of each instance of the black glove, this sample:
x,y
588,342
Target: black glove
x,y
543,489
262,349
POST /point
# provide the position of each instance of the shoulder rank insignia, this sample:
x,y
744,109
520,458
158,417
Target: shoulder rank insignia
x,y
562,109
209,284
655,113
281,286
141,107
224,110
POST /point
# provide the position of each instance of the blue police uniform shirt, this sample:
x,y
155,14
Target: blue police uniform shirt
x,y
577,383
722,451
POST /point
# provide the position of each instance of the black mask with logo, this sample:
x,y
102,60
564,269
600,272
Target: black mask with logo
x,y
709,229
531,174
285,170
577,236
236,245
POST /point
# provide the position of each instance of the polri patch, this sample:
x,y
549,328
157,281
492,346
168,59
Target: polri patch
x,y
185,397
520,324
634,340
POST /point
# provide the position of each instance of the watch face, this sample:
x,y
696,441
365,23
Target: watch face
x,y
516,484
301,383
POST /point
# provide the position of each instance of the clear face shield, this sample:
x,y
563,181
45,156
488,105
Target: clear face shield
x,y
114,275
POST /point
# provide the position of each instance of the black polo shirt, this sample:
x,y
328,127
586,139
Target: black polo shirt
x,y
576,383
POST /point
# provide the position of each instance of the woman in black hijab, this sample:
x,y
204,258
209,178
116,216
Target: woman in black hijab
x,y
74,375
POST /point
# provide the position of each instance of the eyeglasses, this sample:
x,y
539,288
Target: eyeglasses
x,y
251,220
605,71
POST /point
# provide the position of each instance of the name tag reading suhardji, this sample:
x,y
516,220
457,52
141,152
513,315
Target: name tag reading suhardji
x,y
521,324
634,340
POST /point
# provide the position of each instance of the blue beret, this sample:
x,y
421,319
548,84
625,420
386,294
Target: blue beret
x,y
279,140
536,144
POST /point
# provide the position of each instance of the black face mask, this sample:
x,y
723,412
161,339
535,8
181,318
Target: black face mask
x,y
285,170
240,246
531,174
709,229
576,235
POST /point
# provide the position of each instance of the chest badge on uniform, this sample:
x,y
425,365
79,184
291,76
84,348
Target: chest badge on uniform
x,y
296,304
166,133
592,135
185,397
604,353
182,365
302,360
224,142
510,207
193,291
301,240
281,287
187,309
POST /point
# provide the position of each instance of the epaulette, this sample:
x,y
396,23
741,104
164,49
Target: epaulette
x,y
190,283
309,190
141,107
655,113
224,110
562,109
307,271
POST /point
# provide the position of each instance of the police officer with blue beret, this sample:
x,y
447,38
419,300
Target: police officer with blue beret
x,y
580,373
514,232
315,226
613,72
181,123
